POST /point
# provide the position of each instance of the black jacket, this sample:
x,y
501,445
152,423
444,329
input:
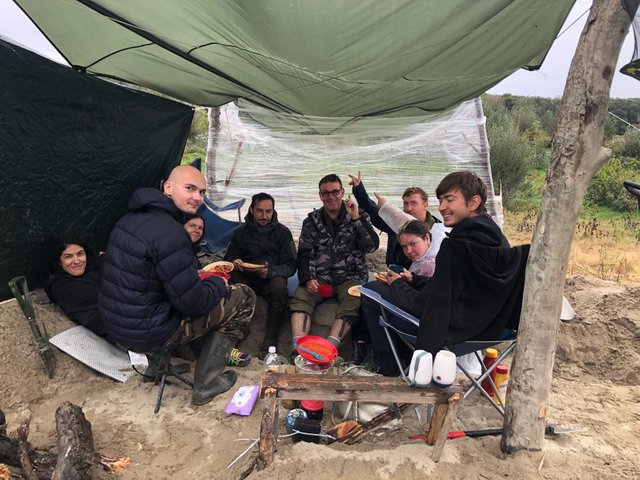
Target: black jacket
x,y
272,243
78,296
476,293
476,290
395,255
149,279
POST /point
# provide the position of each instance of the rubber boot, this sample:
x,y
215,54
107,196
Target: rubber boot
x,y
209,378
275,319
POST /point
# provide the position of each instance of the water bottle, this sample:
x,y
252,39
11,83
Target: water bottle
x,y
272,360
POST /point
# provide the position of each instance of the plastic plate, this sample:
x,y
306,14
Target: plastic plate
x,y
324,350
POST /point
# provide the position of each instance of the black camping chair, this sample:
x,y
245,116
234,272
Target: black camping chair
x,y
160,361
460,349
634,189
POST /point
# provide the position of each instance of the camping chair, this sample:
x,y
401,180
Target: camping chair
x,y
161,360
634,189
218,231
471,346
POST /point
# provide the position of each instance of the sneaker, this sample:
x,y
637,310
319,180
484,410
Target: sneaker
x,y
238,358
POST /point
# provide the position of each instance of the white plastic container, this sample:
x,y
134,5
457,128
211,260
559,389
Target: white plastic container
x,y
421,368
304,366
444,368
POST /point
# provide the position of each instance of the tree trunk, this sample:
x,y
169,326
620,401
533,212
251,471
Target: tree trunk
x,y
212,147
577,154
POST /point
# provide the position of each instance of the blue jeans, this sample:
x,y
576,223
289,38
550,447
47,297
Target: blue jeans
x,y
370,313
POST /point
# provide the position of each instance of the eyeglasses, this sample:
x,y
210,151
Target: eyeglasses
x,y
331,193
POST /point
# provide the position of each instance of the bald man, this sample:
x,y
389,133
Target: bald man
x,y
151,295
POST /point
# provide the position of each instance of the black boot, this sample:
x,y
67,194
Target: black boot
x,y
209,378
275,319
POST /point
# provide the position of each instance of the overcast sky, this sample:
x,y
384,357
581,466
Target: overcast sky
x,y
546,82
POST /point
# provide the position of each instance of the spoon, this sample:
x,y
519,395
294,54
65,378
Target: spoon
x,y
315,355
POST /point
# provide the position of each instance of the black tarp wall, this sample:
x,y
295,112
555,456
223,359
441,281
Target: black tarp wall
x,y
72,150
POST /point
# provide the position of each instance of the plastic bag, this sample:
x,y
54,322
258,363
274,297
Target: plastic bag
x,y
243,400
363,412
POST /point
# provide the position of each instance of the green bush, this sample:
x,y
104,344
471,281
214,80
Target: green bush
x,y
606,188
513,158
631,146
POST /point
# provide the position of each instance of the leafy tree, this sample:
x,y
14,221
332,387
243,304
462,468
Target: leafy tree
x,y
631,146
512,157
607,190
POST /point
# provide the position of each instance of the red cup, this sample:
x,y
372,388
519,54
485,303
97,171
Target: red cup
x,y
325,291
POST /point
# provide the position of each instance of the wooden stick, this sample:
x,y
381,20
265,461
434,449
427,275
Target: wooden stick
x,y
23,446
267,444
346,387
441,422
356,434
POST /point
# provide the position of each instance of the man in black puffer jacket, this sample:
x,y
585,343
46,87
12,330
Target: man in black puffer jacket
x,y
263,241
150,290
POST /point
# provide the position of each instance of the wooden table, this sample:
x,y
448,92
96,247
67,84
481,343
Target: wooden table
x,y
276,386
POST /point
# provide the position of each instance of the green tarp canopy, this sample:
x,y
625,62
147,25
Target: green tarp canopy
x,y
329,58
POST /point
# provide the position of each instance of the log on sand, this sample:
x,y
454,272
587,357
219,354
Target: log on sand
x,y
75,456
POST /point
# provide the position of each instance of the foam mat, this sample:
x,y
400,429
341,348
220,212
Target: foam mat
x,y
95,352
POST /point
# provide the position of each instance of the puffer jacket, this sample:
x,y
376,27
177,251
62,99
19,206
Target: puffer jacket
x,y
149,280
335,259
272,243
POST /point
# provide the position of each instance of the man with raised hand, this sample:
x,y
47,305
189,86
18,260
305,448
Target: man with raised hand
x,y
151,293
331,258
415,202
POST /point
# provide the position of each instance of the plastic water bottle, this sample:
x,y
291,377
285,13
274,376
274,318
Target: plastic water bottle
x,y
272,360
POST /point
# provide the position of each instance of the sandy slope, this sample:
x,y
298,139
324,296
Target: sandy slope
x,y
595,388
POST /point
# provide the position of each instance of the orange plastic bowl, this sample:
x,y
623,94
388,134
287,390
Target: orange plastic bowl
x,y
324,350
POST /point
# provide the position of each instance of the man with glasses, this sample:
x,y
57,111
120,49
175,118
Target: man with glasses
x,y
331,258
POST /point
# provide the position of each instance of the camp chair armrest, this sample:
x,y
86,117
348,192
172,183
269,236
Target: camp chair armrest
x,y
390,307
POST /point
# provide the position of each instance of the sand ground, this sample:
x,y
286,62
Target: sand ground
x,y
595,388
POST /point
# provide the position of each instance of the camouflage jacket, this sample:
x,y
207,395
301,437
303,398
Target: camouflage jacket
x,y
335,259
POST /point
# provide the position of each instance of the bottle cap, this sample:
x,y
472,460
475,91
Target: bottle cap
x,y
491,353
502,368
272,349
312,405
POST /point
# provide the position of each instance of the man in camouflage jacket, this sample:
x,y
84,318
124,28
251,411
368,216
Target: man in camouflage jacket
x,y
331,256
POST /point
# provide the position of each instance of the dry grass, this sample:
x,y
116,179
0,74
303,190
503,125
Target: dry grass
x,y
608,249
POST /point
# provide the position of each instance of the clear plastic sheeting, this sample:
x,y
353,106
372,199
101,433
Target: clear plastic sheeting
x,y
391,153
